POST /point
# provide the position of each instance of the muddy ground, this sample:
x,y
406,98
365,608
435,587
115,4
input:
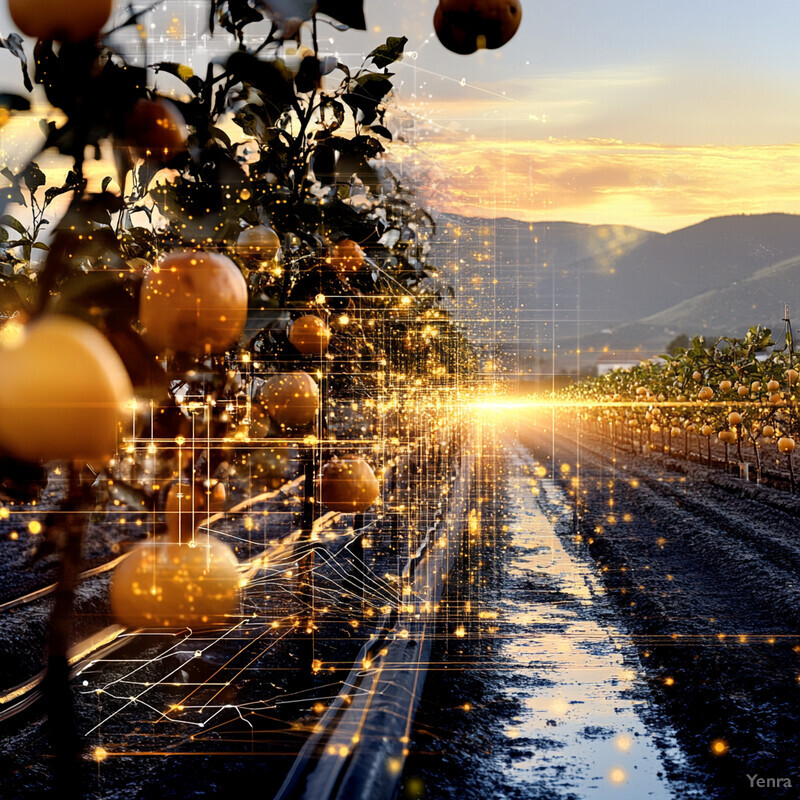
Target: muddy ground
x,y
703,572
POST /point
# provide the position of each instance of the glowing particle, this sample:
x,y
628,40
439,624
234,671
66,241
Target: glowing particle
x,y
617,775
623,742
719,747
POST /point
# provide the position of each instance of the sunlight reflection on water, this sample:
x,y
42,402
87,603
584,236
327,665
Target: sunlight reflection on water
x,y
580,730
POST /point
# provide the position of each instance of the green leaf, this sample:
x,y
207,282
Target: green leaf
x,y
381,131
182,73
33,177
14,46
14,224
388,52
272,79
349,12
220,134
71,182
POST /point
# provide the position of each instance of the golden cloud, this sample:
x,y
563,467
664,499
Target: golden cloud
x,y
652,186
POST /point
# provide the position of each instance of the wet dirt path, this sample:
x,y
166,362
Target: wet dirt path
x,y
561,710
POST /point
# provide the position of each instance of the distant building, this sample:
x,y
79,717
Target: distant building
x,y
622,359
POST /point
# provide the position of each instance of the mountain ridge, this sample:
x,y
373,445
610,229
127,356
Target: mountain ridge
x,y
556,283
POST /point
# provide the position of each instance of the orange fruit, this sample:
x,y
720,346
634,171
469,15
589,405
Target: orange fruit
x,y
768,431
725,386
193,302
189,505
675,431
166,584
346,256
156,129
309,335
755,386
792,376
74,21
258,241
291,399
706,430
735,418
743,391
348,485
706,393
62,392
464,26
698,376
773,386
729,437
786,444
775,399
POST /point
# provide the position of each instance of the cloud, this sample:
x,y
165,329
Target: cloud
x,y
657,187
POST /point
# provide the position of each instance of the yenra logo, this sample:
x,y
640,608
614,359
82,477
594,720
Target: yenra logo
x,y
769,783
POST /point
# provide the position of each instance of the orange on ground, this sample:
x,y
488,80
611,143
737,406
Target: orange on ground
x,y
189,505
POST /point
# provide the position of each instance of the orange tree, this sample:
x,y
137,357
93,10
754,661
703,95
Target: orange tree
x,y
734,388
194,260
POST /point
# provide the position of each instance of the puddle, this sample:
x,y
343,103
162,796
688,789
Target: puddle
x,y
580,730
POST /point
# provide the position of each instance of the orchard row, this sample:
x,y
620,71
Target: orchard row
x,y
739,391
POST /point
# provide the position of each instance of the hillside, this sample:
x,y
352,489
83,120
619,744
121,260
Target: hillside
x,y
731,310
563,284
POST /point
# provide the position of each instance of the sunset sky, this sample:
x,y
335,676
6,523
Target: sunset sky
x,y
656,115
